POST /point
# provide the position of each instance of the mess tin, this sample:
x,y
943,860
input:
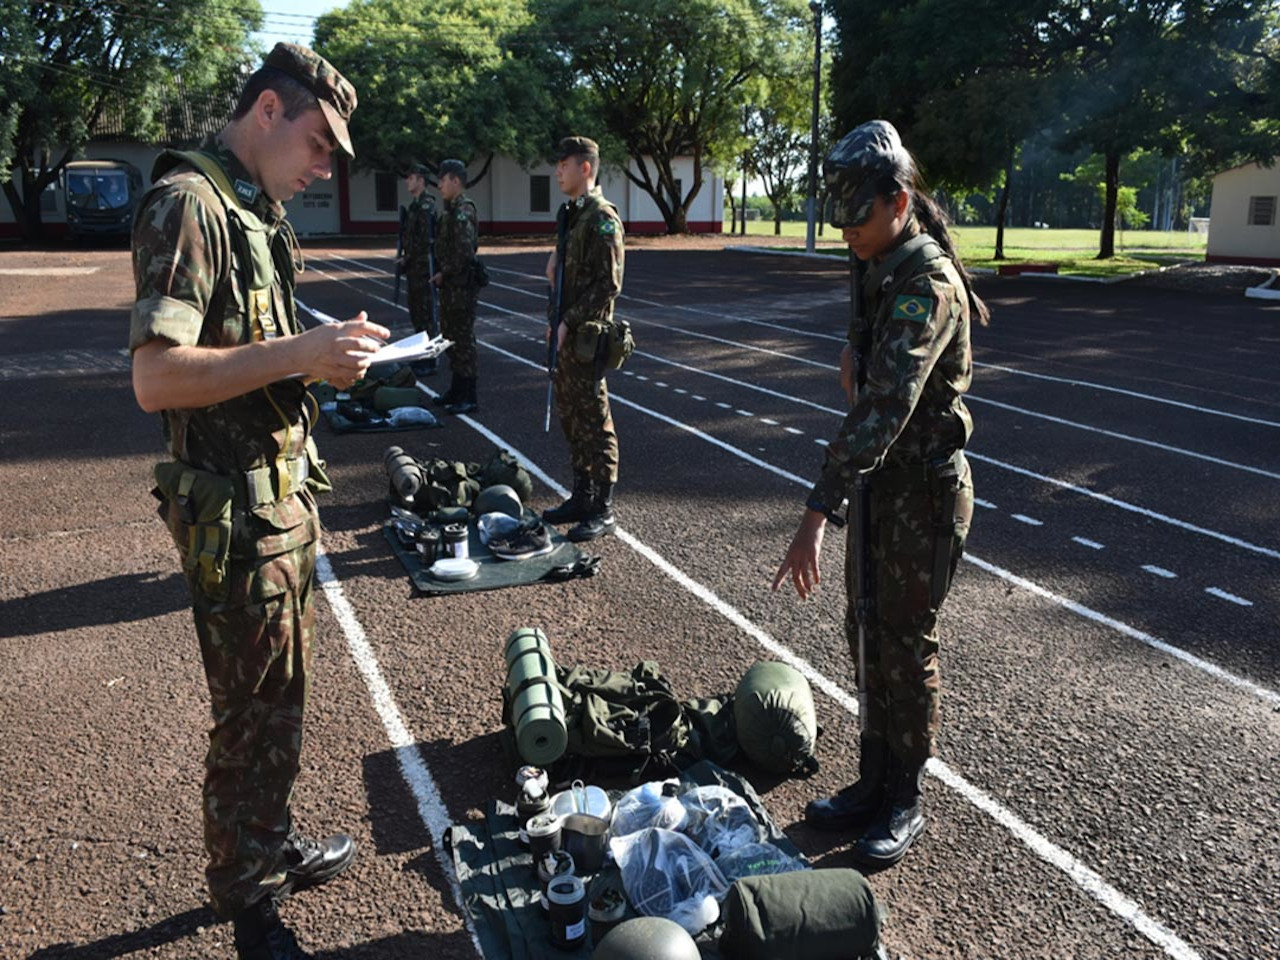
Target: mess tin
x,y
584,814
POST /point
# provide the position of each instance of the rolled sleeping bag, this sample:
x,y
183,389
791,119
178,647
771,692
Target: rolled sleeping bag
x,y
825,914
777,725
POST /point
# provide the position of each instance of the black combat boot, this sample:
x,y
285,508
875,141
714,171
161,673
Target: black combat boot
x,y
309,863
465,401
899,822
599,519
575,508
854,806
450,395
261,935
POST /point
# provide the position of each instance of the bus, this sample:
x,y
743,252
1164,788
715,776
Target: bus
x,y
102,196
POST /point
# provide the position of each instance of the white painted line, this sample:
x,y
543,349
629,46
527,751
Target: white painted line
x,y
987,504
1159,571
696,397
413,769
798,432
772,423
639,377
1086,879
1262,693
628,373
1230,597
744,413
724,406
1128,393
680,390
1091,544
47,271
1126,437
1031,521
658,383
1123,505
822,443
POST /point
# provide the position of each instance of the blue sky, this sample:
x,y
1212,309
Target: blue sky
x,y
290,20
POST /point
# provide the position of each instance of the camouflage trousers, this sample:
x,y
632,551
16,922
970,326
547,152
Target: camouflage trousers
x,y
458,323
257,652
914,554
419,298
582,404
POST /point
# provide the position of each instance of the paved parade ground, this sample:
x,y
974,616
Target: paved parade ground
x,y
1107,785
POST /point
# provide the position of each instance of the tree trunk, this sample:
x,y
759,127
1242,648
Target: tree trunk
x,y
1108,247
733,207
1004,206
26,207
744,203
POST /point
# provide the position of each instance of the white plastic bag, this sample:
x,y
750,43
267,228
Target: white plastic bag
x,y
666,875
645,806
720,820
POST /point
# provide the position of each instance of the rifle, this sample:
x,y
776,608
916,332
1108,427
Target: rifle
x,y
558,302
434,328
404,215
863,599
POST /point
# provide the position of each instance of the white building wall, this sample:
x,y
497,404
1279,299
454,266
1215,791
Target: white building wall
x,y
1231,236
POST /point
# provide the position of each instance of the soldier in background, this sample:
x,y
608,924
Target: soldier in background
x,y
593,255
217,348
905,435
456,277
415,258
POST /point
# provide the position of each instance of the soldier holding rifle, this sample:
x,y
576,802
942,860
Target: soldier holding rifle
x,y
899,460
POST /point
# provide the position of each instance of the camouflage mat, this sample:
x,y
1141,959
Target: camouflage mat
x,y
496,875
564,562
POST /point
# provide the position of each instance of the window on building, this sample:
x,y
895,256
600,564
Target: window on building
x,y
386,190
1262,211
540,194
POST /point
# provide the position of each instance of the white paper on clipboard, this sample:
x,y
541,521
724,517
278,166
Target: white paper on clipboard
x,y
417,346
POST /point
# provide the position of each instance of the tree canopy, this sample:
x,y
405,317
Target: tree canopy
x,y
65,66
439,78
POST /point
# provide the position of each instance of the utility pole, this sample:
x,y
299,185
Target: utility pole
x,y
812,206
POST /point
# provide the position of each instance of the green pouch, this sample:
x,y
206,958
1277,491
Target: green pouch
x,y
317,470
620,345
827,914
588,341
388,398
199,517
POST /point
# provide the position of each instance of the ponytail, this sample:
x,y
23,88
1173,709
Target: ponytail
x,y
933,220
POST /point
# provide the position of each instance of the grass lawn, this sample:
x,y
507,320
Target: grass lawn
x,y
1074,251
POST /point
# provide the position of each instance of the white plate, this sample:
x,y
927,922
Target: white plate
x,y
454,568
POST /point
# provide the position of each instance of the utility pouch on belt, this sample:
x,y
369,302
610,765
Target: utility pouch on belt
x,y
944,487
199,517
604,345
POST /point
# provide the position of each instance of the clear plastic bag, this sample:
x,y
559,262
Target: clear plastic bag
x,y
491,525
756,860
665,874
720,820
646,806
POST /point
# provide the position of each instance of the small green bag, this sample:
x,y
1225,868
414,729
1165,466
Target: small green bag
x,y
825,914
776,721
198,513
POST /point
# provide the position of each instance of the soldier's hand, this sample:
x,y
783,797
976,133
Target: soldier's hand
x,y
562,333
846,373
341,352
551,269
438,279
801,559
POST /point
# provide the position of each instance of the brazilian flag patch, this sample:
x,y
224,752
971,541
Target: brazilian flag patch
x,y
915,309
608,227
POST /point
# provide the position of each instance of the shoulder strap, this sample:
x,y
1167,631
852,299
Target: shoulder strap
x,y
911,255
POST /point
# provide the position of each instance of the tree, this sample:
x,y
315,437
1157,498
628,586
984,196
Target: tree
x,y
441,79
65,65
667,77
780,153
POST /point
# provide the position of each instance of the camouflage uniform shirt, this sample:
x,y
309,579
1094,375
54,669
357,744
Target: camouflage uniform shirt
x,y
920,365
457,236
593,260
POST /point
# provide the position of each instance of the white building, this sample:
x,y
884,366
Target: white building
x,y
1243,223
509,199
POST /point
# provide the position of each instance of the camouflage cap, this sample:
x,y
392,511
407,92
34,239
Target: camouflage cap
x,y
336,94
452,167
583,147
855,164
418,170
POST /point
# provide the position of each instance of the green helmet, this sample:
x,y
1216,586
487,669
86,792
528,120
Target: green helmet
x,y
647,938
498,499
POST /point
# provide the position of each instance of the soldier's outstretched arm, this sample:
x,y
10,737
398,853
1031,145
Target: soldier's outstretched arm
x,y
169,376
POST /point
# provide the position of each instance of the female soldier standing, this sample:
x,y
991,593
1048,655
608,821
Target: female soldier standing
x,y
903,438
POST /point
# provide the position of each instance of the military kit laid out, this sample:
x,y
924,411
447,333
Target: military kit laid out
x,y
384,399
694,867
458,527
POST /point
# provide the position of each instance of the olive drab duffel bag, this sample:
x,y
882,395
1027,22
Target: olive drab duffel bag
x,y
827,914
776,721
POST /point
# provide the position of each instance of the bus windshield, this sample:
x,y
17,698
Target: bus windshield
x,y
98,189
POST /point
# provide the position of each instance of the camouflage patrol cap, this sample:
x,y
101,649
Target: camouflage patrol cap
x,y
855,165
418,170
335,93
452,167
583,147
